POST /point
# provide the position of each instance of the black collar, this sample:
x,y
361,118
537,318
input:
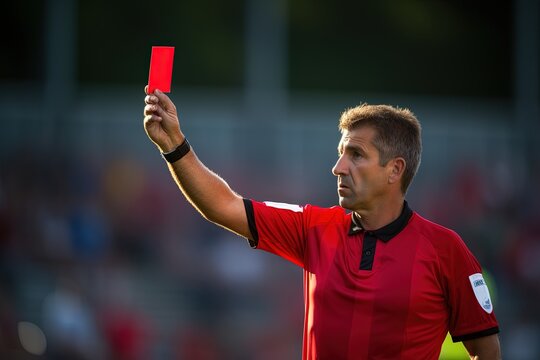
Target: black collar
x,y
386,232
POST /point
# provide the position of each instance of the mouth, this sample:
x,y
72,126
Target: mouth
x,y
342,186
342,189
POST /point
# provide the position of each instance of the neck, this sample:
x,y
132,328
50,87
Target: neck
x,y
379,215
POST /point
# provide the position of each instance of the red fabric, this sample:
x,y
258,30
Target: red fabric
x,y
417,291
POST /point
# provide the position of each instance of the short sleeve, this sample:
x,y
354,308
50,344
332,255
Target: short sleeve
x,y
278,228
469,300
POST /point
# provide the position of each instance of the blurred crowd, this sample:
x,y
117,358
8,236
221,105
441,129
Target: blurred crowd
x,y
106,260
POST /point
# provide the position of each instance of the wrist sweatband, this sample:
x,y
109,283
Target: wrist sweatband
x,y
177,153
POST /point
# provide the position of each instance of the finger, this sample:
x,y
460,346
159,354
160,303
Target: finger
x,y
149,109
146,89
165,101
148,119
151,99
153,110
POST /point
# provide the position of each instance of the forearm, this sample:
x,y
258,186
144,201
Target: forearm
x,y
209,194
204,189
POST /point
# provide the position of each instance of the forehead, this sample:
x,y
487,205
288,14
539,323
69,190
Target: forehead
x,y
361,136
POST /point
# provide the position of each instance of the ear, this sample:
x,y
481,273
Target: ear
x,y
396,167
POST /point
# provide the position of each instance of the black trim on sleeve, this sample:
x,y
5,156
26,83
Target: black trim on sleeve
x,y
251,223
476,335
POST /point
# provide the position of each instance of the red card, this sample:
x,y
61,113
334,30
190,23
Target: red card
x,y
161,65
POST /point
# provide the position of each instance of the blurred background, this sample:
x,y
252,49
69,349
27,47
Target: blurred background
x,y
100,256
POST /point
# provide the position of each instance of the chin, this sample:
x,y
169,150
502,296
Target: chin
x,y
350,204
344,203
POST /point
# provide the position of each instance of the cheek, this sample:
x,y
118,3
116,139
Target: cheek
x,y
367,178
360,174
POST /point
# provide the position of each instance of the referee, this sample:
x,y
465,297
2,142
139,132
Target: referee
x,y
380,281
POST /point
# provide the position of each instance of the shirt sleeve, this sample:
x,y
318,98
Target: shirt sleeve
x,y
471,307
278,228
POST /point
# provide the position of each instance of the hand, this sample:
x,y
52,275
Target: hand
x,y
161,121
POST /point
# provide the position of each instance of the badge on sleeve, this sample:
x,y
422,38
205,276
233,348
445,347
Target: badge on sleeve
x,y
481,292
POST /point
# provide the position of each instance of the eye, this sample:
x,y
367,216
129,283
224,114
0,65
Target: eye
x,y
356,155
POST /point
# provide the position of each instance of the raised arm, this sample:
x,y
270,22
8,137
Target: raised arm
x,y
204,189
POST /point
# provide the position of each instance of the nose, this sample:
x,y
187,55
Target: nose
x,y
339,168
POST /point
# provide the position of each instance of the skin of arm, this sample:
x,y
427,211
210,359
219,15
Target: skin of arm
x,y
203,188
484,348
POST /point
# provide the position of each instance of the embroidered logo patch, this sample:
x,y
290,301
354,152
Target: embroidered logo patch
x,y
481,292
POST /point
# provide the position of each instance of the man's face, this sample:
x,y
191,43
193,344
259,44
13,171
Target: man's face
x,y
360,178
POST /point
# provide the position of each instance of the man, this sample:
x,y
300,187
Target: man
x,y
380,282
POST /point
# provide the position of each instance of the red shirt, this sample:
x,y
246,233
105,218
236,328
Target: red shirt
x,y
393,293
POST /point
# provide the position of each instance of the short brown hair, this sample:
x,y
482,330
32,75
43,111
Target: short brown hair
x,y
398,134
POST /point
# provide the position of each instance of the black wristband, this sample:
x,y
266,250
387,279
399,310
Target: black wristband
x,y
178,153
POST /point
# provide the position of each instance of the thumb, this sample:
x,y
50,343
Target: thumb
x,y
164,100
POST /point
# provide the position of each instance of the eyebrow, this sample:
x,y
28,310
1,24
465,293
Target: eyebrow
x,y
350,147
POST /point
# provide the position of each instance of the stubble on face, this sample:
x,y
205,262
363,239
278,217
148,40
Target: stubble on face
x,y
360,177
